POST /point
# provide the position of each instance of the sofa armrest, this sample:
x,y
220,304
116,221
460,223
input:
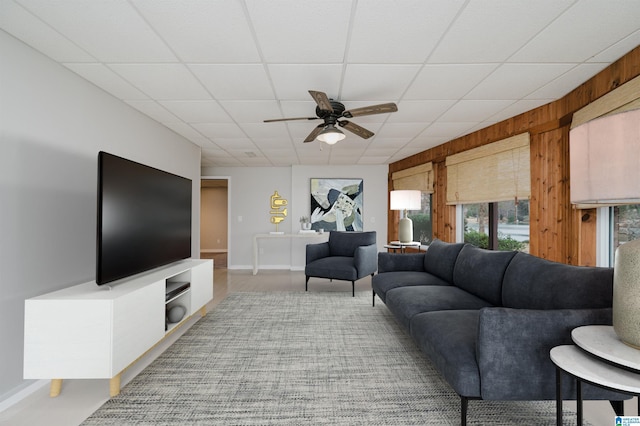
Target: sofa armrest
x,y
513,347
317,251
392,262
364,260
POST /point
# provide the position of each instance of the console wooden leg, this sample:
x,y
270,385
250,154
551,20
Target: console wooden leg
x,y
114,385
55,388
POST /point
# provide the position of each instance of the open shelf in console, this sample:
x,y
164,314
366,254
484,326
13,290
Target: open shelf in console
x,y
177,299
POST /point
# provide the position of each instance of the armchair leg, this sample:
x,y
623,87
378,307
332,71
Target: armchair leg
x,y
353,289
306,283
373,301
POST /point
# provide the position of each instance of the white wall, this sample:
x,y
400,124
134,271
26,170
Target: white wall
x,y
52,125
250,189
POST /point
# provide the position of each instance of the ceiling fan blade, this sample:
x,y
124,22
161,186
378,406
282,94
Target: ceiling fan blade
x,y
314,133
273,120
371,109
322,100
354,128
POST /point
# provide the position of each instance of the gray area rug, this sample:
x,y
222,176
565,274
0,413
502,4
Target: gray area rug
x,y
301,358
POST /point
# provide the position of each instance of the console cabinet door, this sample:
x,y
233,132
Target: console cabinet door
x,y
138,324
201,284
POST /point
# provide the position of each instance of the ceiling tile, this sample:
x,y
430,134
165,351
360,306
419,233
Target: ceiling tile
x,y
474,110
384,83
291,32
197,111
107,80
36,33
264,130
450,81
620,18
219,131
567,81
185,130
251,111
293,81
419,111
155,111
401,130
234,82
373,40
507,81
506,23
111,31
203,30
162,81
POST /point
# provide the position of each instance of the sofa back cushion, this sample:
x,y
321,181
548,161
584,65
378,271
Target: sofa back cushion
x,y
480,272
344,243
534,283
441,258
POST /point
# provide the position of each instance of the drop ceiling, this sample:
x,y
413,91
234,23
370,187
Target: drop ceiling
x,y
213,70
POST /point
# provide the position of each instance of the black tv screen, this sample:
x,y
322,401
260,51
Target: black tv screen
x,y
144,218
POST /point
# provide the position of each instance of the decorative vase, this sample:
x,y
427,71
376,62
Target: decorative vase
x,y
176,313
306,225
626,293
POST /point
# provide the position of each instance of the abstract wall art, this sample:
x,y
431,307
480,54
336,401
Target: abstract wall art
x,y
336,204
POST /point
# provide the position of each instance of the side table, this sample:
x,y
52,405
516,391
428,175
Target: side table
x,y
598,358
395,245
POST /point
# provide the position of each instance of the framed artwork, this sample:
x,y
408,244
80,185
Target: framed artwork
x,y
336,204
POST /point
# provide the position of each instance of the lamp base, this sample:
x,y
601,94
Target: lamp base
x,y
405,230
626,284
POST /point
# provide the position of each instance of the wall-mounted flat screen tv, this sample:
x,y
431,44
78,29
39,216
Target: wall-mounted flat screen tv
x,y
144,218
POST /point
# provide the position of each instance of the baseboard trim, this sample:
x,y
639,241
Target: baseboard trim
x,y
22,393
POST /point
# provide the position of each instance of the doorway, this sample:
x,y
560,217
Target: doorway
x,y
214,223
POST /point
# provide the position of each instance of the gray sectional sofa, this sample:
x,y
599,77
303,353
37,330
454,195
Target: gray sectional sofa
x,y
488,319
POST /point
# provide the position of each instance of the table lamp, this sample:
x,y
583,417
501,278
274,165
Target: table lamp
x,y
406,200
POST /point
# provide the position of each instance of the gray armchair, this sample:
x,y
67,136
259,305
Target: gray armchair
x,y
347,256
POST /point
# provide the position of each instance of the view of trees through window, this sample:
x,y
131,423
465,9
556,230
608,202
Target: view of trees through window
x,y
422,224
512,225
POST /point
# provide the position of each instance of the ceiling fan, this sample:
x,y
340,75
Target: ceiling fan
x,y
331,112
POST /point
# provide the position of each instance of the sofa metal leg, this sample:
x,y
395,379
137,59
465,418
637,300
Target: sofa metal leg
x,y
464,404
353,289
306,283
618,407
373,302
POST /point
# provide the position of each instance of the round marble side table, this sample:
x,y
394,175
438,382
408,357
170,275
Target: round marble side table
x,y
598,358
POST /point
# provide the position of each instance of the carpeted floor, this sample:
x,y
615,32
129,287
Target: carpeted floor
x,y
301,358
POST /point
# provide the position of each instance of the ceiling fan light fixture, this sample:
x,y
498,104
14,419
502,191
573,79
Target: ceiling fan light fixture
x,y
330,135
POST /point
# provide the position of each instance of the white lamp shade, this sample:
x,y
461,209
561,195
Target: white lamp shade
x,y
604,158
406,200
330,135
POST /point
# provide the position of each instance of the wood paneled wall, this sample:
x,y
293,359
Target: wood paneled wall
x,y
558,231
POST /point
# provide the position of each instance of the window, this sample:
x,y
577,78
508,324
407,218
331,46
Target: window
x,y
422,220
508,225
624,226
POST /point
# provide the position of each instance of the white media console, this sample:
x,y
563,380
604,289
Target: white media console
x,y
90,331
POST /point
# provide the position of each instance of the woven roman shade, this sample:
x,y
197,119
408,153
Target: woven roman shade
x,y
419,177
623,98
499,171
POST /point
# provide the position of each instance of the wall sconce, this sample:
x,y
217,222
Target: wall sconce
x,y
406,200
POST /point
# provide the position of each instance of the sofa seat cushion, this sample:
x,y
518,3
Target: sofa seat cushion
x,y
381,283
405,302
336,267
448,339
